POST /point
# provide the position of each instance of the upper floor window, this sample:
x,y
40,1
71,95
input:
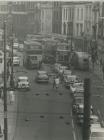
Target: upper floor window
x,y
82,14
78,14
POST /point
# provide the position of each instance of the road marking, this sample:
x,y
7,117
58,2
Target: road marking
x,y
72,124
74,135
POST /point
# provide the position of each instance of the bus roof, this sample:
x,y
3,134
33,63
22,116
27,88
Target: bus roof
x,y
82,54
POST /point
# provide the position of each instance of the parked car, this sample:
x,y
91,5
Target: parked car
x,y
76,102
80,113
67,72
42,76
69,79
21,47
76,87
16,60
97,134
56,67
23,83
62,69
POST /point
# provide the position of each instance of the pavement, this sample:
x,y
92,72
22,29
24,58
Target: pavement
x,y
33,126
11,116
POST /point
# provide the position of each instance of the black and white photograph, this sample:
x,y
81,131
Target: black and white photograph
x,y
52,70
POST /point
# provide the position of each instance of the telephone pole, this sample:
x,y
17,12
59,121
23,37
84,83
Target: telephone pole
x,y
12,77
87,109
5,88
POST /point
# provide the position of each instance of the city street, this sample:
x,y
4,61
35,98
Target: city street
x,y
43,113
65,41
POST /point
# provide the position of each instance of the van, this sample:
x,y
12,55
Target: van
x,y
80,60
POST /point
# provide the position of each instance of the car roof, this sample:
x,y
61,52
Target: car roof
x,y
81,105
42,72
95,125
71,75
97,129
94,116
22,77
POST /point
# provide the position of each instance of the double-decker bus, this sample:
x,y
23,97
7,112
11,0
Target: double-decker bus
x,y
32,55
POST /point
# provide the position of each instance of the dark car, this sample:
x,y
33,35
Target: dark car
x,y
42,77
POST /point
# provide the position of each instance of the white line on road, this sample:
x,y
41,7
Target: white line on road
x,y
74,135
72,124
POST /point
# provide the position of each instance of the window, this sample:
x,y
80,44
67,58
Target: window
x,y
77,28
81,26
82,14
78,14
66,14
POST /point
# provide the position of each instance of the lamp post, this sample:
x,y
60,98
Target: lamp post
x,y
11,38
12,73
5,88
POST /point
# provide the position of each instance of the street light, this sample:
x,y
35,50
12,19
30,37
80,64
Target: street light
x,y
11,61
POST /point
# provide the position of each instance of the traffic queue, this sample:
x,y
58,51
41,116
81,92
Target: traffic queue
x,y
75,86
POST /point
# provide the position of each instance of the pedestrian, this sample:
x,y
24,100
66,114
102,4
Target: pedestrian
x,y
53,82
57,82
11,96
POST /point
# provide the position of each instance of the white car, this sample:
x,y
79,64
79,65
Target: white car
x,y
97,134
16,60
23,83
76,87
69,79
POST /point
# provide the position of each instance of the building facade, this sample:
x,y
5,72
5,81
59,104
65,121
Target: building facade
x,y
67,19
24,16
57,17
46,18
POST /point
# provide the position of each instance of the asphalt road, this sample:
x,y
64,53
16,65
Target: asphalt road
x,y
44,113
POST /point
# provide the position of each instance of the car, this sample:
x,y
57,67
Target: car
x,y
67,72
76,87
61,69
76,102
21,47
69,79
97,134
23,83
56,67
80,113
16,60
77,94
42,76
